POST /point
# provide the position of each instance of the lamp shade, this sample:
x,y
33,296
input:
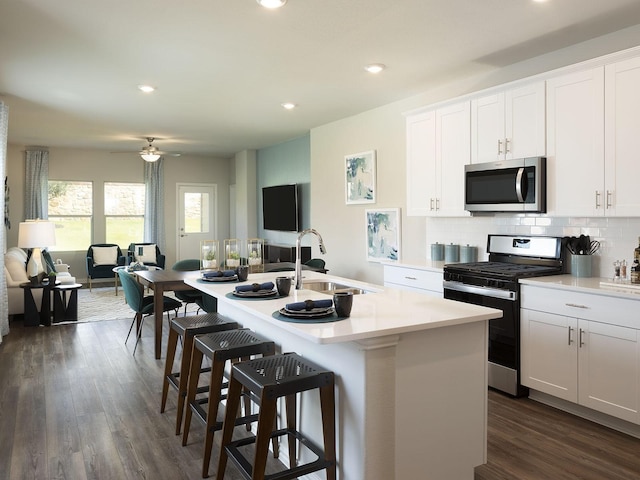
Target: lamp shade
x,y
36,234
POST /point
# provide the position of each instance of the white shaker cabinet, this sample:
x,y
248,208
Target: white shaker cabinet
x,y
575,144
438,147
509,124
415,279
622,138
595,364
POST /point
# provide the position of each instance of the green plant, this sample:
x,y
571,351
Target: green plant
x,y
210,255
234,256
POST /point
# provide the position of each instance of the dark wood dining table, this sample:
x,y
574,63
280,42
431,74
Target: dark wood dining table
x,y
161,281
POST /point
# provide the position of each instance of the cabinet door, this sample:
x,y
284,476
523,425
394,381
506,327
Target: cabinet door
x,y
622,139
453,125
575,144
608,372
548,353
421,163
487,128
525,121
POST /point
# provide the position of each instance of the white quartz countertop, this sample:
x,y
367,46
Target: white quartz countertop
x,y
592,285
385,311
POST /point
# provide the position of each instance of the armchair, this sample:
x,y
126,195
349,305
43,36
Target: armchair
x,y
147,253
101,259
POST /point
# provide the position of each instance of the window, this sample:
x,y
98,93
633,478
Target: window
x,y
124,213
71,209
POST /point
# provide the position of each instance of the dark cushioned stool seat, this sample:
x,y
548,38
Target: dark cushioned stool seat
x,y
219,348
271,378
187,328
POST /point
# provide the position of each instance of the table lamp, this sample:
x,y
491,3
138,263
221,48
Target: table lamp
x,y
36,234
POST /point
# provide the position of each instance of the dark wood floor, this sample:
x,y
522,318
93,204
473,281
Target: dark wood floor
x,y
75,404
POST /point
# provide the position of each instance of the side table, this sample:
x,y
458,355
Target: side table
x,y
63,309
33,318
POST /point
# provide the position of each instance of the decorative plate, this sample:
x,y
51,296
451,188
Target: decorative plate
x,y
232,278
258,294
313,313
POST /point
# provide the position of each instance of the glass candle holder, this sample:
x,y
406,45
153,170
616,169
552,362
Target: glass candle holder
x,y
232,253
209,255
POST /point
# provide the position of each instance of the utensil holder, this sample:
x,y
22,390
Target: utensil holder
x,y
581,266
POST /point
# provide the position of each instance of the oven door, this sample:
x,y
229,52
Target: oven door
x,y
504,333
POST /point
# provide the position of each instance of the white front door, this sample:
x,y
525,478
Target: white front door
x,y
197,221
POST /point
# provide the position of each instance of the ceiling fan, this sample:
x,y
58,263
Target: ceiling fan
x,y
150,153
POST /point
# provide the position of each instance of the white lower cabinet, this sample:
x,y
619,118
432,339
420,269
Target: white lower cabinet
x,y
414,279
595,364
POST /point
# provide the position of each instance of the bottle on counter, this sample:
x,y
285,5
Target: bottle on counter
x,y
636,252
635,272
623,270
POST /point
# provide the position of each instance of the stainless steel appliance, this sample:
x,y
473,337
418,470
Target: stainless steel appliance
x,y
495,284
506,186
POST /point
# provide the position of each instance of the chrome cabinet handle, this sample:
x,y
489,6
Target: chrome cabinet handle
x,y
506,146
575,305
410,278
569,339
499,147
431,204
581,342
597,199
437,204
609,194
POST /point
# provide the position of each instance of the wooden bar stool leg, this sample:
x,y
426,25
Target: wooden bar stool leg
x,y
291,404
327,407
168,366
217,373
265,427
194,376
187,347
233,401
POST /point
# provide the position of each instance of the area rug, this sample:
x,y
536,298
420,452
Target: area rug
x,y
102,304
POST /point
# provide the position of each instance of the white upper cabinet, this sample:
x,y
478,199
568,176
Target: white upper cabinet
x,y
508,124
575,144
622,138
437,151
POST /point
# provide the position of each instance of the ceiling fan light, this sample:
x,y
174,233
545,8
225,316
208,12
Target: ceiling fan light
x,y
150,157
375,67
146,88
272,3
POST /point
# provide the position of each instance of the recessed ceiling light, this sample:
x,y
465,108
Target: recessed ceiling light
x,y
375,67
146,88
272,3
288,105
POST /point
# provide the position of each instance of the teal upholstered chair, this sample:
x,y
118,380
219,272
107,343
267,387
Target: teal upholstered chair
x,y
141,305
315,263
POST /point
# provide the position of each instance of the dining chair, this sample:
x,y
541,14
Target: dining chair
x,y
142,305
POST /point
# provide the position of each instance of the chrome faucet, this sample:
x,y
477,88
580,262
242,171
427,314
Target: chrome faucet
x,y
323,250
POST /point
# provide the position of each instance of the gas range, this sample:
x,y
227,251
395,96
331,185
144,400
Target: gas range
x,y
495,284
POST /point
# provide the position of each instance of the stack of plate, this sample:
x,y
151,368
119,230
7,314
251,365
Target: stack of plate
x,y
321,312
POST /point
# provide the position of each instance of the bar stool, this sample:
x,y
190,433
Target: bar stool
x,y
187,328
271,378
219,347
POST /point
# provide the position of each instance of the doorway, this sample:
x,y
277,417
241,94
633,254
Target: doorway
x,y
197,220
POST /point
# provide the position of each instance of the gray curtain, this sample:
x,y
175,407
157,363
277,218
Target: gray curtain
x,y
4,300
154,203
36,184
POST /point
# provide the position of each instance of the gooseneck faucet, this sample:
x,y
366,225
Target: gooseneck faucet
x,y
323,250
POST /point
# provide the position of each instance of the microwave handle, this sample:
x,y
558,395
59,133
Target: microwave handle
x,y
519,185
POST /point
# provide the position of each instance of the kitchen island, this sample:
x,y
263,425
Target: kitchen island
x,y
411,376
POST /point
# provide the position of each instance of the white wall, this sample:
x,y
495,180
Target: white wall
x,y
383,129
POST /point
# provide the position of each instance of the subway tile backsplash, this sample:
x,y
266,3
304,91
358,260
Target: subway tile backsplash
x,y
618,236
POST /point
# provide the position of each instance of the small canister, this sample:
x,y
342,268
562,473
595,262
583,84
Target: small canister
x,y
437,252
468,254
451,253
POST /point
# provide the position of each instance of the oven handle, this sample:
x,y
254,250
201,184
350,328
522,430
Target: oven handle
x,y
484,291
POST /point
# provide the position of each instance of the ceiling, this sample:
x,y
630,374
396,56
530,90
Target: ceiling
x,y
69,69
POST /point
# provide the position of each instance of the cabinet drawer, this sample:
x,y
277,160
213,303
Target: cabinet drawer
x,y
412,278
601,308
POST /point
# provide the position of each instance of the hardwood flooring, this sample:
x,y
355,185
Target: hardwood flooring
x,y
75,404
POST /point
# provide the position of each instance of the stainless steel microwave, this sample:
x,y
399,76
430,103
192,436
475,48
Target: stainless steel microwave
x,y
507,186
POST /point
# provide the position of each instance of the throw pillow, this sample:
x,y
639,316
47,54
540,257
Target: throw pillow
x,y
145,253
105,255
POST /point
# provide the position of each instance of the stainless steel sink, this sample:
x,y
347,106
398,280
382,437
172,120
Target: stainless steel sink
x,y
331,287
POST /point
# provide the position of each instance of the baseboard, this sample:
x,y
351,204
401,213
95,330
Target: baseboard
x,y
597,417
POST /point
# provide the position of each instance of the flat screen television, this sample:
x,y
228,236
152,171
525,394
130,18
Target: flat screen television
x,y
280,208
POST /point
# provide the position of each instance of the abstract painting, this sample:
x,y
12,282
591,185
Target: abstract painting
x,y
383,234
360,182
